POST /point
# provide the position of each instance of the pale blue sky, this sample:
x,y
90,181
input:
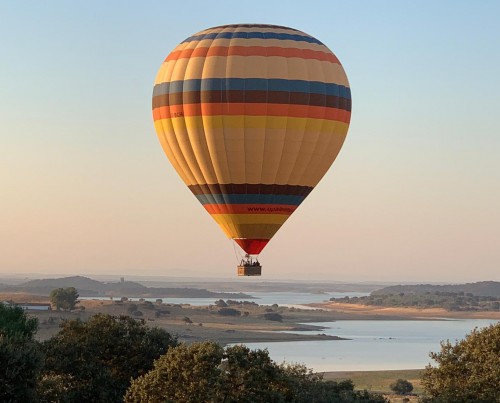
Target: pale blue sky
x,y
413,196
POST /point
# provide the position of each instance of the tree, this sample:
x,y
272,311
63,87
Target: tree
x,y
402,387
20,357
64,298
213,374
15,323
100,357
468,371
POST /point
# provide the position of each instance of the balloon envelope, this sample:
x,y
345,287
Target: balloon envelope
x,y
251,117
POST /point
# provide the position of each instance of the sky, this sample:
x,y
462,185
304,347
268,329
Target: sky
x,y
414,195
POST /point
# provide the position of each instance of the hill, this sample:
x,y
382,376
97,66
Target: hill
x,y
88,287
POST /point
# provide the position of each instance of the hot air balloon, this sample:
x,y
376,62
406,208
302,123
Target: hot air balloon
x,y
251,117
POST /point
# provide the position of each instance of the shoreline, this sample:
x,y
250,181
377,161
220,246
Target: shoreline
x,y
358,310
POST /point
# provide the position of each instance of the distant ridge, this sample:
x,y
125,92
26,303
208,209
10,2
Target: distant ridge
x,y
88,287
481,288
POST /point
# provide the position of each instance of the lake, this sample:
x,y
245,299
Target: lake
x,y
374,344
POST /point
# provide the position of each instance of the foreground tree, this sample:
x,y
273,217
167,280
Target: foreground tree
x,y
95,360
15,323
64,298
20,357
207,372
468,371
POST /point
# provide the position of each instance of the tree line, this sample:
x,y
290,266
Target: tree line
x,y
453,301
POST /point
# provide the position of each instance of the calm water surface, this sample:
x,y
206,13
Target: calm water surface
x,y
374,344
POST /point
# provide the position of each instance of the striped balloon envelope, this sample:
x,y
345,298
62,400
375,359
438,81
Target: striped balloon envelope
x,y
251,117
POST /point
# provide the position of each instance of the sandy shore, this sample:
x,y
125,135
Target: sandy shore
x,y
358,310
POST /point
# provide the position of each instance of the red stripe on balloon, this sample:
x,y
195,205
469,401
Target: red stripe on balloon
x,y
253,51
245,109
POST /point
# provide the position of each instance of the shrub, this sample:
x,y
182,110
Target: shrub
x,y
402,387
273,316
229,312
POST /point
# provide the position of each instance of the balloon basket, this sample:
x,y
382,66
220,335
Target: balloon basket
x,y
249,270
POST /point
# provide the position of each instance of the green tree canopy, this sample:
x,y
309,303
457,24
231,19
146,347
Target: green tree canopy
x,y
100,356
207,372
468,371
15,323
64,298
402,387
20,357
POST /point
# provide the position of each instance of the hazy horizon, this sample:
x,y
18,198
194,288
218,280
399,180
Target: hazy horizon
x,y
413,196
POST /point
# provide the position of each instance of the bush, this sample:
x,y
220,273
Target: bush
x,y
137,313
229,312
402,387
220,303
132,308
273,316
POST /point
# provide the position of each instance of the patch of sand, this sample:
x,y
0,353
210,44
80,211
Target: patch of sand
x,y
417,313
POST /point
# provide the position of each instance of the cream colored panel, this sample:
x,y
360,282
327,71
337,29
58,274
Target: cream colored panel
x,y
334,73
166,68
238,68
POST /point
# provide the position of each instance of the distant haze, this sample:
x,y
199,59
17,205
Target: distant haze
x,y
413,196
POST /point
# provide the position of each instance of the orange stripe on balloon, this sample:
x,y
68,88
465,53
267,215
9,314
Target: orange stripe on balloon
x,y
251,109
250,208
253,51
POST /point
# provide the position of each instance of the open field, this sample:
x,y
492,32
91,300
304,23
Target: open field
x,y
378,381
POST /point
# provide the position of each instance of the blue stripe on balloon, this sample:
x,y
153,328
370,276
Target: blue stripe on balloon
x,y
253,35
250,199
252,84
